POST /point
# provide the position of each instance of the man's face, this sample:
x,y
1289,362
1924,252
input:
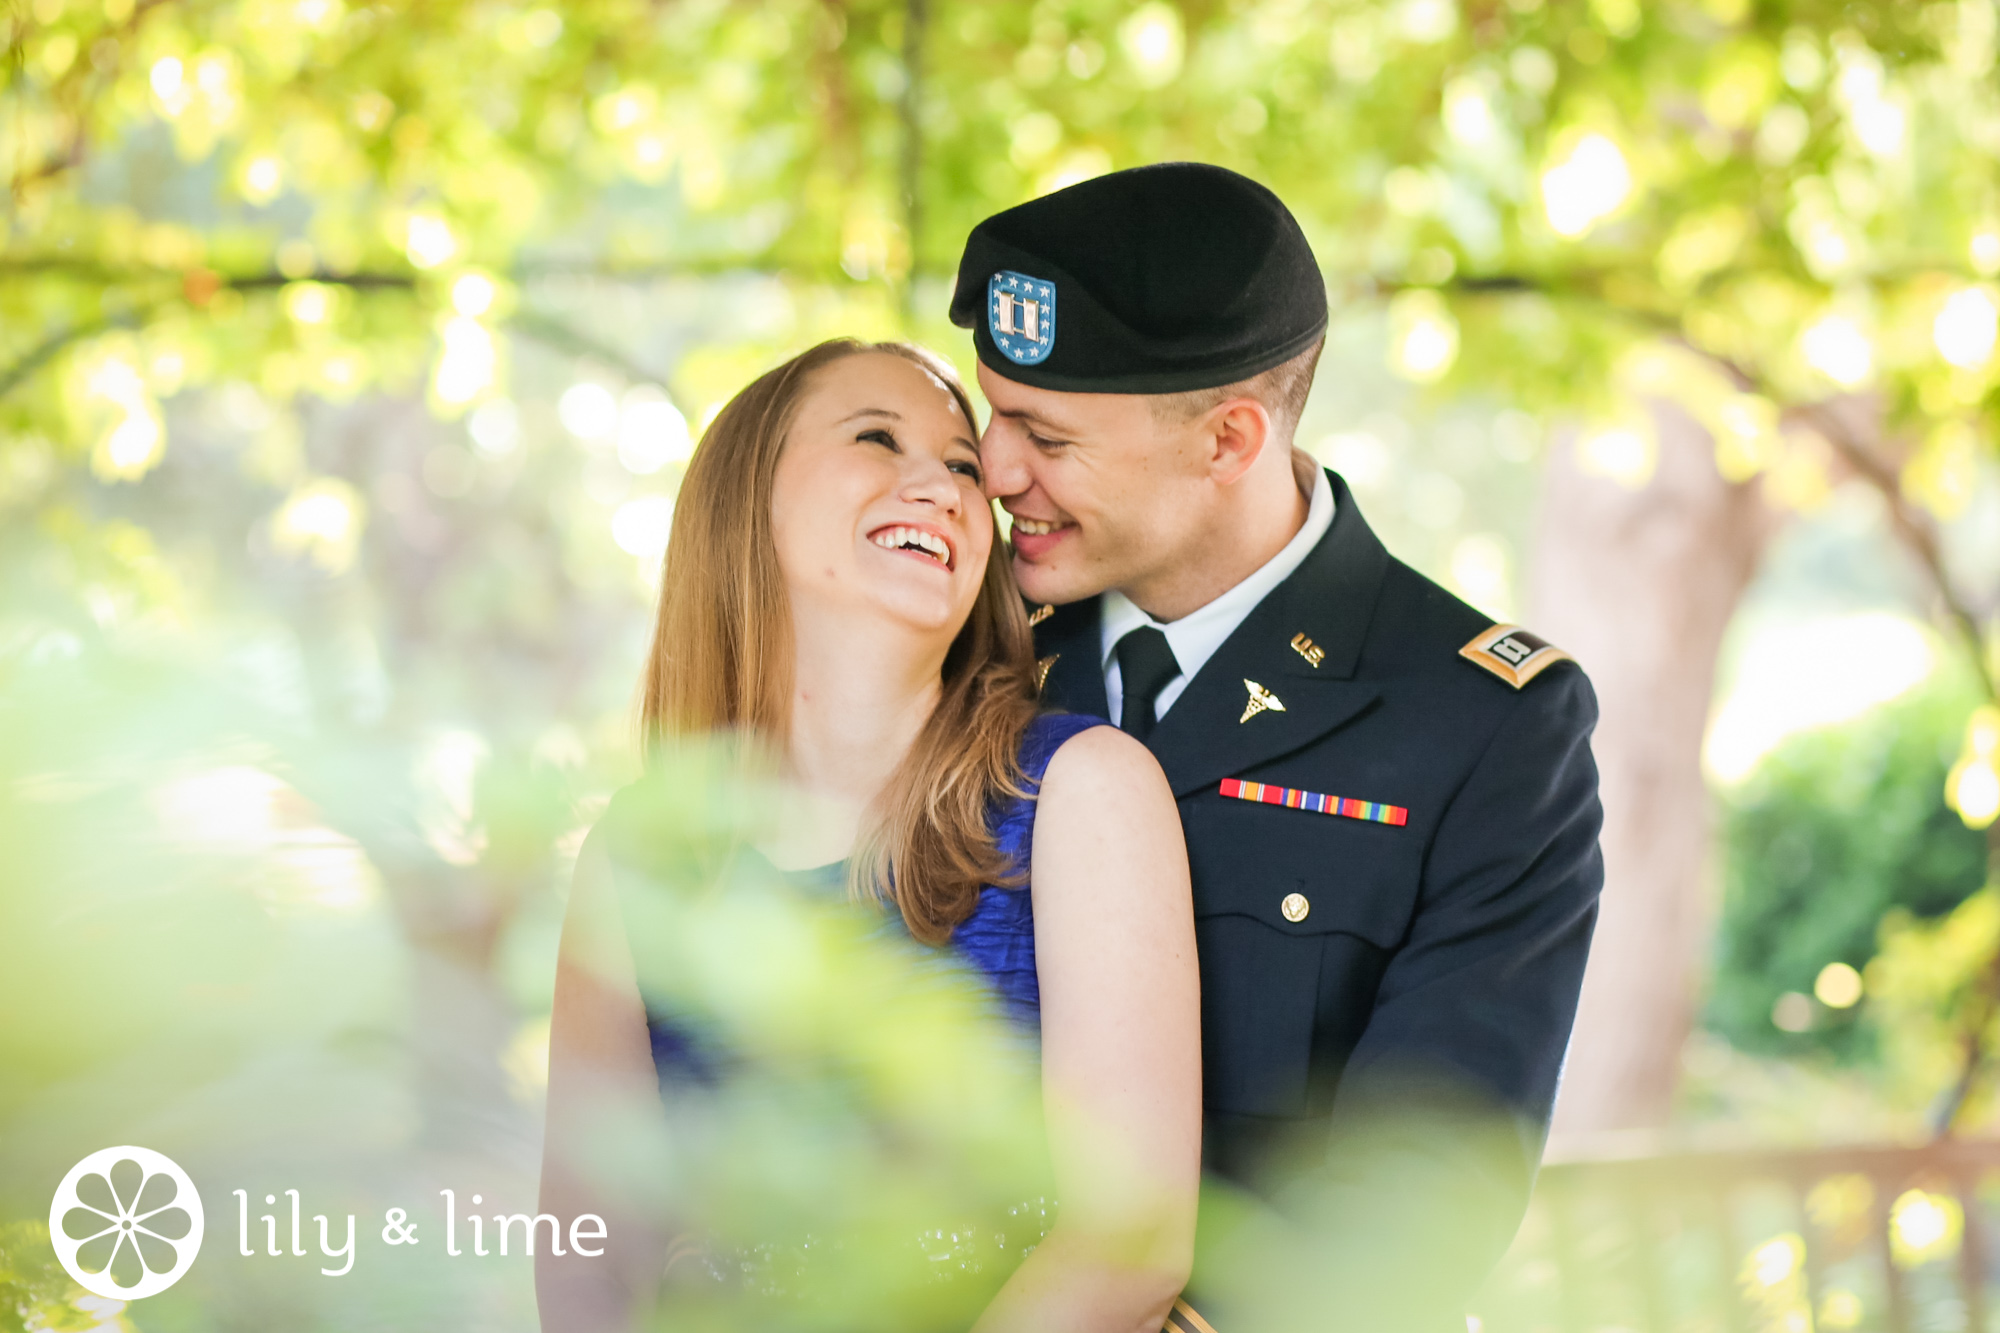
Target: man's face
x,y
1102,493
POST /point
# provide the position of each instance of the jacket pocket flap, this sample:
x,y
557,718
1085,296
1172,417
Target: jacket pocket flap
x,y
1302,872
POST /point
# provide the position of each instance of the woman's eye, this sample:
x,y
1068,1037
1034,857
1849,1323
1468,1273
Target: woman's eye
x,y
881,437
970,471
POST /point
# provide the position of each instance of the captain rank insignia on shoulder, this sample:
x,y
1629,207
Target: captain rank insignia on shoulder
x,y
1512,654
1183,1319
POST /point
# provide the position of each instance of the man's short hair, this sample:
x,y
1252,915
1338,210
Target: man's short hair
x,y
1282,390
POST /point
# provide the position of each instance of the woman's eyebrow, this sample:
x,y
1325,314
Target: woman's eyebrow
x,y
869,412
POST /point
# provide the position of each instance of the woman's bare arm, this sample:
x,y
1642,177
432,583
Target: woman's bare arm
x,y
600,1072
1121,1046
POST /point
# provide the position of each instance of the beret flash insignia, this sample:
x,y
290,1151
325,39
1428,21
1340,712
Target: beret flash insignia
x,y
1021,316
1512,654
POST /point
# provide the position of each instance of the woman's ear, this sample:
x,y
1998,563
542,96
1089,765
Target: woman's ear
x,y
1234,434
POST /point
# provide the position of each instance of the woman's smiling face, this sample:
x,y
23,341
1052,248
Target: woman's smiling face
x,y
876,504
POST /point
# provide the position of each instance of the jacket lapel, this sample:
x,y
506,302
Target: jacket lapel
x,y
1075,680
1300,646
1215,740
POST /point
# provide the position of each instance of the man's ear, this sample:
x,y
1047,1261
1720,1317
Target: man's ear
x,y
1236,432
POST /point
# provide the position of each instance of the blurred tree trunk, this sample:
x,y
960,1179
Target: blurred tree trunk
x,y
1640,583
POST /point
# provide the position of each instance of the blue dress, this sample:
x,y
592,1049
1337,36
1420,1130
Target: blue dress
x,y
997,938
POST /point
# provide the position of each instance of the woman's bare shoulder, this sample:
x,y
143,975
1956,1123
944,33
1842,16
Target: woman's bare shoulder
x,y
1110,872
593,924
1103,782
1099,754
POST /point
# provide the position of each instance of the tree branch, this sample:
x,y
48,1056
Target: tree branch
x,y
17,373
538,325
13,376
78,147
54,165
1911,526
709,266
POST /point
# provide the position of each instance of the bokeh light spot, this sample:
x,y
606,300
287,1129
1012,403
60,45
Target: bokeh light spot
x,y
1966,327
587,411
641,526
1838,986
1586,186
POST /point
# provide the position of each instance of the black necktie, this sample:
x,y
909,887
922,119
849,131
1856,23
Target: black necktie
x,y
1145,665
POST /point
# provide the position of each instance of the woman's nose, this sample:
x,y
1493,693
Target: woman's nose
x,y
931,482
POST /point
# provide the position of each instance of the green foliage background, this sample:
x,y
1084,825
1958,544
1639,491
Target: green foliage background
x,y
316,627
1837,834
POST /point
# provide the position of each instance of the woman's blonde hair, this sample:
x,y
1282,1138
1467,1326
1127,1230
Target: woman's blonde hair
x,y
722,658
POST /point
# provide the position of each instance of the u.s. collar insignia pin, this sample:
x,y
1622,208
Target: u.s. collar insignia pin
x,y
1306,648
1039,614
1021,316
1512,654
1261,700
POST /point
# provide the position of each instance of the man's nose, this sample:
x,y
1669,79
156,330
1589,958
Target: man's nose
x,y
1004,462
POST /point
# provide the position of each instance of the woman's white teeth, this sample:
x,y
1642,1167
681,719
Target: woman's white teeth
x,y
896,539
1034,527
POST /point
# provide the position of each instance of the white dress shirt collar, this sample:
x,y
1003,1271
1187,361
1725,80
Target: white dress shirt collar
x,y
1195,637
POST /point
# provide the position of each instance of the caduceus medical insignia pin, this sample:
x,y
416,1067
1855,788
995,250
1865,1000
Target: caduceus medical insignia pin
x,y
1261,700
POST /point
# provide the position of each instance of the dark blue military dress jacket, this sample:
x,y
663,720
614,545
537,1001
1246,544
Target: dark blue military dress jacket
x,y
1387,992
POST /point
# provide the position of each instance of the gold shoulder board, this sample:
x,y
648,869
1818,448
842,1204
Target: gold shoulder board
x,y
1512,654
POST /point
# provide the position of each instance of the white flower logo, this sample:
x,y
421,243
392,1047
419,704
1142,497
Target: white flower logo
x,y
126,1223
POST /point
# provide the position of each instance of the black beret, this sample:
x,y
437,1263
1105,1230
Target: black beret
x,y
1160,279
